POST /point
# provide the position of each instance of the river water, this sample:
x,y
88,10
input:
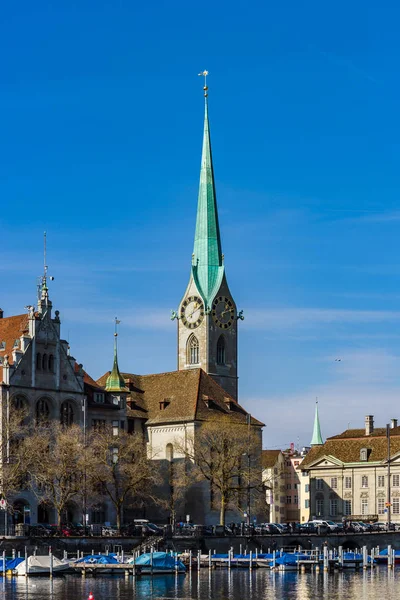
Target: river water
x,y
212,585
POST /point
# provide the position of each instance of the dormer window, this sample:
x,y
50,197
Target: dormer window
x,y
99,398
363,454
164,403
2,345
16,344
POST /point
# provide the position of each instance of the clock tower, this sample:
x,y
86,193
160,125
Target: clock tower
x,y
207,315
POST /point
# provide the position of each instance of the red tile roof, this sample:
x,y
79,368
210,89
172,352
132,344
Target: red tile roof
x,y
11,329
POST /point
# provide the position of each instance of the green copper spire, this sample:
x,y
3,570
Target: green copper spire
x,y
207,263
317,437
115,382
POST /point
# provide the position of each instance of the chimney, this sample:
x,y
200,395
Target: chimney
x,y
1,313
393,423
369,424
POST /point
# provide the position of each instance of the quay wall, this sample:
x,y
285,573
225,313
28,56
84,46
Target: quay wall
x,y
221,544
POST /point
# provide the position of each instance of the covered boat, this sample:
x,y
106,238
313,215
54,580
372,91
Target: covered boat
x,y
98,559
158,562
40,565
289,562
383,557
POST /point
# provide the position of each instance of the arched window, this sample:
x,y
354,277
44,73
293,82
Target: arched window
x,y
66,414
169,452
44,362
42,411
51,363
19,403
193,350
221,351
38,360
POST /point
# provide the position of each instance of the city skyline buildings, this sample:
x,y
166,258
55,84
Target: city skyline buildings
x,y
308,195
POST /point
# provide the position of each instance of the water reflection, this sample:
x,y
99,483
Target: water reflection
x,y
211,585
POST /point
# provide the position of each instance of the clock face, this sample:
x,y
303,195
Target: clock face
x,y
223,312
192,312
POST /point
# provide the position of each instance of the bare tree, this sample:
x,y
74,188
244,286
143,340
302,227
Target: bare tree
x,y
225,453
13,453
120,469
55,459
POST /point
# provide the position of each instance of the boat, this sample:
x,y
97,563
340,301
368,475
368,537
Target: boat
x,y
98,559
382,557
290,562
158,562
40,565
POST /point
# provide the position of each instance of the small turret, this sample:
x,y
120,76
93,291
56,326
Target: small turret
x,y
115,382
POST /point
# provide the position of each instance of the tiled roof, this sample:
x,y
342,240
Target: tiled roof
x,y
347,450
359,433
269,458
11,329
178,396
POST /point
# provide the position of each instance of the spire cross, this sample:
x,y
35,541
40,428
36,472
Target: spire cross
x,y
205,88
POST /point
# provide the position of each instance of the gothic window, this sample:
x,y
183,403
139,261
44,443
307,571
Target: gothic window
x,y
44,362
51,363
66,414
38,360
193,350
221,351
19,403
42,411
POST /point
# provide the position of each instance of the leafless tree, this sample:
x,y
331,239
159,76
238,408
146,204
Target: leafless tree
x,y
120,469
225,453
55,458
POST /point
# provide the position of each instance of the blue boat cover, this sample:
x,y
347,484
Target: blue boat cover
x,y
161,560
99,559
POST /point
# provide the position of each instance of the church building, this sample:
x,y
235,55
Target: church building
x,y
38,370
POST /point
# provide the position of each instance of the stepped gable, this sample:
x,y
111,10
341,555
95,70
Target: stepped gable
x,y
11,329
269,458
179,396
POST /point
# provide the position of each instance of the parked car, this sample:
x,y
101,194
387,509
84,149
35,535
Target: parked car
x,y
41,530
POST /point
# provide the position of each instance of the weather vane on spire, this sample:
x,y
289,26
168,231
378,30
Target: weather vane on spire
x,y
205,88
116,327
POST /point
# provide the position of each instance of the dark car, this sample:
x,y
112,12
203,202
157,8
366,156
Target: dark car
x,y
41,530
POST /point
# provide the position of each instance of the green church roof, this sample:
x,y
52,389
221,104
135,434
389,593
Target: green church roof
x,y
207,264
317,437
115,382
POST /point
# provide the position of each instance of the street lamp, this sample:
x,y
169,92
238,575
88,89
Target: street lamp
x,y
388,502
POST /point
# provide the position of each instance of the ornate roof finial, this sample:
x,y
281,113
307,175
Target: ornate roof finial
x,y
205,88
115,382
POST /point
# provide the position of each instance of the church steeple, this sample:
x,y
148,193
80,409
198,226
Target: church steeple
x,y
207,261
115,382
317,437
207,316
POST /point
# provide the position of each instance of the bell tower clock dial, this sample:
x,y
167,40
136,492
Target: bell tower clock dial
x,y
223,312
192,312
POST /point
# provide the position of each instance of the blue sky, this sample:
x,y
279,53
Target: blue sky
x,y
101,130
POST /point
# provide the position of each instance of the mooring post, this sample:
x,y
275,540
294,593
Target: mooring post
x,y
390,556
51,564
209,559
326,559
274,559
198,560
229,559
365,557
251,560
341,556
372,558
26,562
4,564
190,560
